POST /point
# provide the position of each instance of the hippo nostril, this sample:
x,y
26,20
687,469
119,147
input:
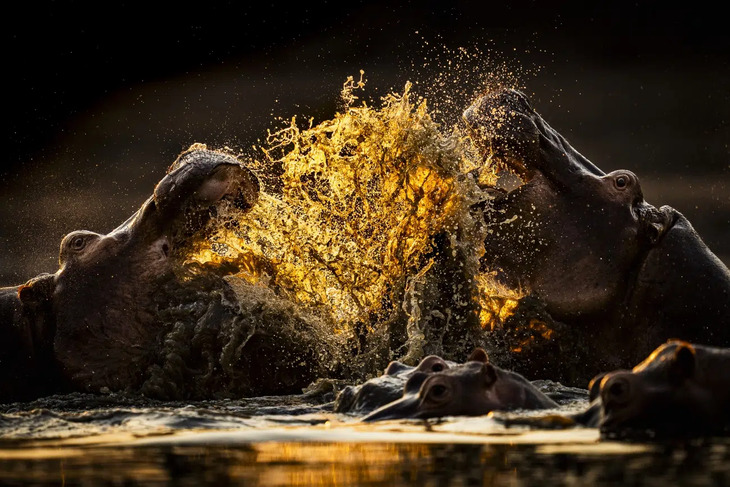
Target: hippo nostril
x,y
432,363
165,249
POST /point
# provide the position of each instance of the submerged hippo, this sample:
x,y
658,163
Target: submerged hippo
x,y
118,316
619,274
470,389
389,387
680,389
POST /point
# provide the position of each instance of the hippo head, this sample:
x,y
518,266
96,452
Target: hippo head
x,y
470,389
104,297
389,387
679,389
586,243
571,231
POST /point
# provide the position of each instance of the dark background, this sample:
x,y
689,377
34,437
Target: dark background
x,y
100,98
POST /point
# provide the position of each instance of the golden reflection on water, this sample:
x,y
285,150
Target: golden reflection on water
x,y
332,464
328,464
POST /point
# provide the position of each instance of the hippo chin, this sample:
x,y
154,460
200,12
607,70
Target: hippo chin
x,y
622,274
470,389
681,389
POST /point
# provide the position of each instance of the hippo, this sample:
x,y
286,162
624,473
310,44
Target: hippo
x,y
471,389
614,275
123,313
680,389
379,391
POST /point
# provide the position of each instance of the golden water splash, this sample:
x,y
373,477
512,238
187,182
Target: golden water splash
x,y
496,303
349,208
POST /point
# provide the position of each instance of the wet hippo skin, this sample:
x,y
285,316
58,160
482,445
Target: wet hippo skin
x,y
27,327
470,389
365,398
680,389
623,275
92,324
119,272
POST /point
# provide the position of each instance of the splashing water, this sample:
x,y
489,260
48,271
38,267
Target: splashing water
x,y
347,222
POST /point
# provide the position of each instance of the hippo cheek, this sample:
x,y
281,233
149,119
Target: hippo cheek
x,y
517,233
104,302
406,407
159,253
572,252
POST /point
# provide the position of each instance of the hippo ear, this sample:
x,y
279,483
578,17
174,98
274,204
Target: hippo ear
x,y
656,222
490,375
682,366
478,355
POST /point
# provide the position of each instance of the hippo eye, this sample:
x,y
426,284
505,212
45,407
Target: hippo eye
x,y
618,390
621,182
78,243
437,368
438,391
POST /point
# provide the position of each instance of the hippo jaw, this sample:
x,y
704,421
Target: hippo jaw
x,y
570,233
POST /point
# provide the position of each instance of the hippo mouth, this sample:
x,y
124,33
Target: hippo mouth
x,y
512,136
486,125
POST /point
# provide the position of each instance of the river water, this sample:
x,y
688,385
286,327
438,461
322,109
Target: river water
x,y
80,439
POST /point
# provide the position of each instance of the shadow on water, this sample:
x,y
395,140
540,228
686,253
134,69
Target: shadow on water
x,y
274,463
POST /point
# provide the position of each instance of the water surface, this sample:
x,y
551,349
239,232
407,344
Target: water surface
x,y
81,439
